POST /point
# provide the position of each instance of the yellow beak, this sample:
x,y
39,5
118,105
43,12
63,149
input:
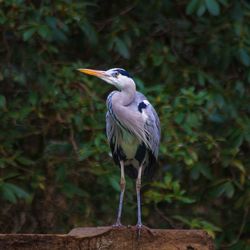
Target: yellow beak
x,y
98,73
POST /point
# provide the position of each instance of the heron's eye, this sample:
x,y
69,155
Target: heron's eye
x,y
115,74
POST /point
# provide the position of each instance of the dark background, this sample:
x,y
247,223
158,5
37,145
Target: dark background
x,y
191,59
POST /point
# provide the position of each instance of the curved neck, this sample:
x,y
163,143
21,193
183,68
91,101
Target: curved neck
x,y
126,95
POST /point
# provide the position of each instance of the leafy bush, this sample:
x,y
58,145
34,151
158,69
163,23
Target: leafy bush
x,y
191,58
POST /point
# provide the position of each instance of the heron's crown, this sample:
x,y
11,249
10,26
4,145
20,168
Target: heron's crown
x,y
122,72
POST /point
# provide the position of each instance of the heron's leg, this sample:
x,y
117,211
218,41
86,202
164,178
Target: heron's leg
x,y
139,224
138,190
122,185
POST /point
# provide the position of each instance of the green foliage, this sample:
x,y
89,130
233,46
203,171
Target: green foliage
x,y
11,192
191,58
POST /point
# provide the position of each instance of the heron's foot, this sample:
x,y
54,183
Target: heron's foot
x,y
118,224
140,228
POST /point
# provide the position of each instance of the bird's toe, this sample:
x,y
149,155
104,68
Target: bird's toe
x,y
118,224
140,228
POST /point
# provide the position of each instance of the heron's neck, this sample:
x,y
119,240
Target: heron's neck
x,y
127,95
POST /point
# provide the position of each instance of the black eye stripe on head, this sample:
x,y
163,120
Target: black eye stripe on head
x,y
123,72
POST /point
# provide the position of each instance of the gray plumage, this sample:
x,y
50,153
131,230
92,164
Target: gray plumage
x,y
133,131
141,123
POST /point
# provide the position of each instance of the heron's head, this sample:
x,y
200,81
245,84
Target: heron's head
x,y
120,78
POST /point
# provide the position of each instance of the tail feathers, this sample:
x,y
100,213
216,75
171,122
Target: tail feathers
x,y
151,168
132,171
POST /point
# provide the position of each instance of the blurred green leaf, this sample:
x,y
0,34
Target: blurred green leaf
x,y
115,183
90,32
206,171
11,192
28,33
44,31
229,189
25,161
71,190
122,48
192,6
201,10
213,7
244,57
2,102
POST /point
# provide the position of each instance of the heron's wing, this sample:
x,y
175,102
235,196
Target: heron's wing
x,y
152,122
110,131
110,123
117,153
109,126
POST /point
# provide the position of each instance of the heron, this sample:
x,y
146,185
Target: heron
x,y
133,132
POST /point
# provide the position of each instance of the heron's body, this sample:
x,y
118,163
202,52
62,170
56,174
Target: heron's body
x,y
133,149
133,130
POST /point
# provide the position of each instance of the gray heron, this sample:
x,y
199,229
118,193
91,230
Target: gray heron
x,y
133,131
